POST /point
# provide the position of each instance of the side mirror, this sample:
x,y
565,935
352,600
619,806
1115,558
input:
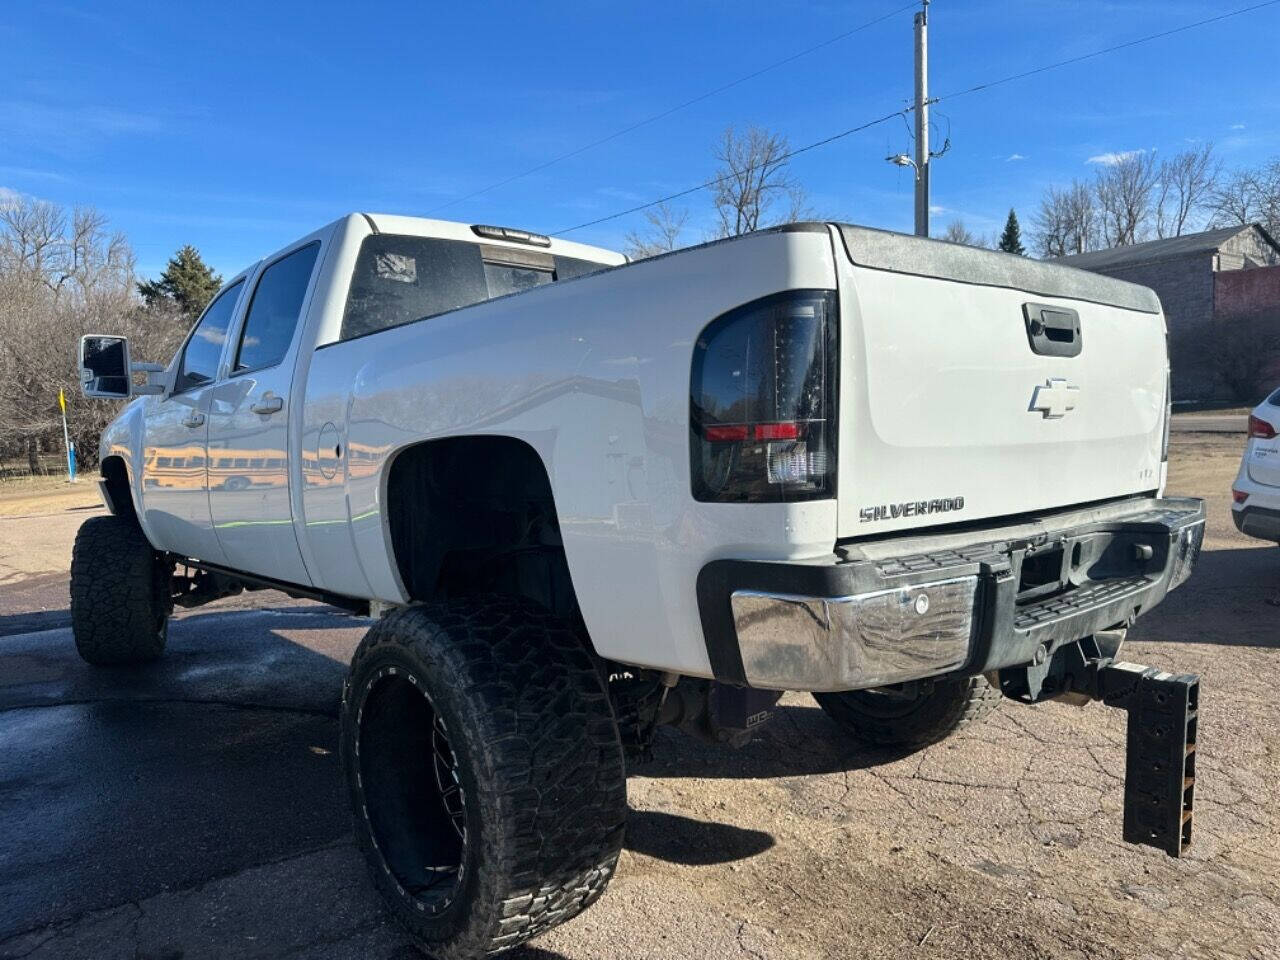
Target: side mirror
x,y
104,367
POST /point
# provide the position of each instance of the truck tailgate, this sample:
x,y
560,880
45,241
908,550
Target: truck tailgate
x,y
960,399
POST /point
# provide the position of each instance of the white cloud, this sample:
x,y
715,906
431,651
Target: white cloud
x,y
935,208
1014,157
1237,126
8,197
1111,159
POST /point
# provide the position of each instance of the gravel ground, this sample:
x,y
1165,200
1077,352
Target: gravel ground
x,y
194,809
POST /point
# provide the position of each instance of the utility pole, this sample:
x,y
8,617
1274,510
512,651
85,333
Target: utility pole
x,y
922,120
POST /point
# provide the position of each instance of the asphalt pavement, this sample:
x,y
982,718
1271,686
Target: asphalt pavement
x,y
1210,423
194,808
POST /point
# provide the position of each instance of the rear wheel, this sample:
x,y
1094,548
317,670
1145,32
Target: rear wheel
x,y
485,772
120,593
911,718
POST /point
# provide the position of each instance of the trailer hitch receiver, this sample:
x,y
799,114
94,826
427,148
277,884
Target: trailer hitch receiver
x,y
1160,762
1163,708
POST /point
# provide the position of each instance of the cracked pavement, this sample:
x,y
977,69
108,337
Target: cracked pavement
x,y
194,808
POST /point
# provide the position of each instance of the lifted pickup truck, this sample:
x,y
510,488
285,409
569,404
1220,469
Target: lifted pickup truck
x,y
584,498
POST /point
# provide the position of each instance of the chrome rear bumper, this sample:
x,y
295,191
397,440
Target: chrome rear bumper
x,y
957,602
865,640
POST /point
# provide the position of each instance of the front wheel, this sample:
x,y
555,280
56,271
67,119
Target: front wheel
x,y
120,593
911,720
485,772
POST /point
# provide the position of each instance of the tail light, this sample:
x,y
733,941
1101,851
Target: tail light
x,y
1260,428
762,405
1238,496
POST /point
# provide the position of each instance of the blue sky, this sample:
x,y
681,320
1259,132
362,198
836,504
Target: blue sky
x,y
239,126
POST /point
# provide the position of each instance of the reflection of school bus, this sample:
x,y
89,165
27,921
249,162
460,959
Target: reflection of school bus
x,y
188,468
177,468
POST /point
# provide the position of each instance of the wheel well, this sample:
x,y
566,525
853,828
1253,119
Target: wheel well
x,y
116,475
473,515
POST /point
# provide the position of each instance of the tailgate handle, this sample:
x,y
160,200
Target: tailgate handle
x,y
1052,331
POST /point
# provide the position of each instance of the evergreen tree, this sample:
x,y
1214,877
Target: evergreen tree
x,y
187,281
1011,239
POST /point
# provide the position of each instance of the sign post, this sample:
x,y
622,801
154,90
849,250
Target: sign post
x,y
66,438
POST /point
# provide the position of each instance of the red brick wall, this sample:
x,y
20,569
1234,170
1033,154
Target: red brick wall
x,y
1252,297
1250,292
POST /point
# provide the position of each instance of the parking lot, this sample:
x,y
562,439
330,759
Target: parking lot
x,y
194,808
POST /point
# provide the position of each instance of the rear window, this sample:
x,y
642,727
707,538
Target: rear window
x,y
398,280
1274,399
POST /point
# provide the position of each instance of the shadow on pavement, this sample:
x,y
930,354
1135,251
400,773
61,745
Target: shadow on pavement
x,y
117,785
1232,598
683,840
798,742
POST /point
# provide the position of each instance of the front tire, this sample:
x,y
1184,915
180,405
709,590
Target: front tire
x,y
120,593
892,720
485,772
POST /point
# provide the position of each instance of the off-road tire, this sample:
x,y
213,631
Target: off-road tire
x,y
881,720
535,749
120,593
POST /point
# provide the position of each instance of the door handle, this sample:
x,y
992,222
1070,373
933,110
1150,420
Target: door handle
x,y
269,403
193,419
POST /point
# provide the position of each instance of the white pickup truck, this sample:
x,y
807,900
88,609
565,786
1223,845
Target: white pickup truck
x,y
584,498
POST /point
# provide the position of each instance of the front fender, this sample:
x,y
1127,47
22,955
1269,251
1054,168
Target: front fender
x,y
122,438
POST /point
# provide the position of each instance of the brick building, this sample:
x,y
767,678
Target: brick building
x,y
1217,275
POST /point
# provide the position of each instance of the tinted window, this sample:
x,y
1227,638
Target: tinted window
x,y
569,267
398,280
204,349
273,313
503,278
401,279
1274,399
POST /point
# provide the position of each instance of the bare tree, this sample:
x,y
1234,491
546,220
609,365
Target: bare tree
x,y
31,233
751,179
1124,191
1249,196
1184,186
62,277
1235,201
1265,183
1067,221
957,232
660,235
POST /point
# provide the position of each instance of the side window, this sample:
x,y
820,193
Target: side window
x,y
200,356
401,279
274,310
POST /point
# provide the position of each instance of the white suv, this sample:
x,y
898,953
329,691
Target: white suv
x,y
1256,492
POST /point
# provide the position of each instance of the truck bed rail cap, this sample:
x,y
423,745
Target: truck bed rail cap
x,y
902,253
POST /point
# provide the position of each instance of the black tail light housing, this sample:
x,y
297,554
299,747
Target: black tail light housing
x,y
763,401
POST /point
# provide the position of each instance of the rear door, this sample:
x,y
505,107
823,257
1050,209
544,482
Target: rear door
x,y
249,444
175,498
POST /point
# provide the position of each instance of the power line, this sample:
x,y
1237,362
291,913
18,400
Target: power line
x,y
949,96
678,107
715,180
1105,50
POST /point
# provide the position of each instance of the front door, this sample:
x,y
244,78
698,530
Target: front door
x,y
249,428
175,497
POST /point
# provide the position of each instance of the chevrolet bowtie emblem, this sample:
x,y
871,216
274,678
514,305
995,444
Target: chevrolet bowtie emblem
x,y
1054,399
